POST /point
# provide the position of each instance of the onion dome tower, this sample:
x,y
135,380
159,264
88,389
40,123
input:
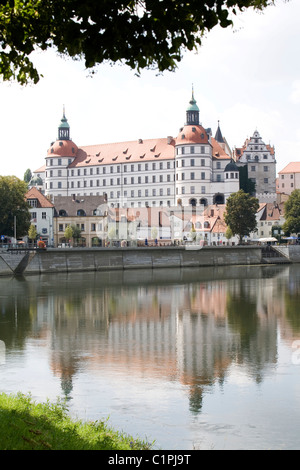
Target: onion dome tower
x,y
60,156
64,128
193,159
192,112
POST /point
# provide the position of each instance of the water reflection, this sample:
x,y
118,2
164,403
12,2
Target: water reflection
x,y
186,326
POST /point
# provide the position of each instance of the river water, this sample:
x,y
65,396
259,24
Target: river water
x,y
194,359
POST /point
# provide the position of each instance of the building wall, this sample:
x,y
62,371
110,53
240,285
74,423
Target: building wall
x,y
42,219
288,182
261,164
91,228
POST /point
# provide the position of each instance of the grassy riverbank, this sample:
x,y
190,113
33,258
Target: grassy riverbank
x,y
27,425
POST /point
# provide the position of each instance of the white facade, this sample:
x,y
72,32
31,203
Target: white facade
x,y
189,169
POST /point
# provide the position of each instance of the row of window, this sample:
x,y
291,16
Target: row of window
x,y
193,162
84,184
253,168
62,227
34,215
288,176
115,168
192,176
256,157
266,180
128,180
132,180
192,149
127,168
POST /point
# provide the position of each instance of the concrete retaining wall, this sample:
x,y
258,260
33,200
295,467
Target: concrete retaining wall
x,y
294,253
104,259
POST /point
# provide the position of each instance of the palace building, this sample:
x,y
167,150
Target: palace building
x,y
194,168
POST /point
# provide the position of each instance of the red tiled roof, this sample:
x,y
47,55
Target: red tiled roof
x,y
62,148
125,152
293,167
34,193
192,135
131,151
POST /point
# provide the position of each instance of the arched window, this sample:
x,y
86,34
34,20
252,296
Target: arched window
x,y
203,202
81,213
193,202
206,224
62,213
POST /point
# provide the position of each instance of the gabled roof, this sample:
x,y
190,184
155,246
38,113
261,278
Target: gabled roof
x,y
272,212
218,152
34,193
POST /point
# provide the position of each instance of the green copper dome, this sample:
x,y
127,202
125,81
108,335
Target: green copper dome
x,y
64,122
192,104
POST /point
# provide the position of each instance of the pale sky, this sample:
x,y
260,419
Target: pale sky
x,y
247,77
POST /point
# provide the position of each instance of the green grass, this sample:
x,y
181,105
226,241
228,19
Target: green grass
x,y
27,425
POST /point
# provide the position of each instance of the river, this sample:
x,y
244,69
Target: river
x,y
194,359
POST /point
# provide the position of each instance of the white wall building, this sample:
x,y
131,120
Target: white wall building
x,y
191,168
42,212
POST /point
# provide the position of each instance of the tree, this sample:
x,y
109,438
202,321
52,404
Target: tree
x,y
14,210
76,232
68,233
32,233
240,215
228,233
246,184
27,176
292,213
139,33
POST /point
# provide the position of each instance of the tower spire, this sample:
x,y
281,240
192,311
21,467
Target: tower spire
x,y
64,128
192,112
218,136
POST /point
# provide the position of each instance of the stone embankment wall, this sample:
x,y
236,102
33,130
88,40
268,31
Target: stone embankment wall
x,y
104,259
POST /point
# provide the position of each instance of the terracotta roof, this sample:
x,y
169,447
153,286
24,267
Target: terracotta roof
x,y
273,212
218,151
125,152
34,193
41,169
293,167
131,151
192,135
62,148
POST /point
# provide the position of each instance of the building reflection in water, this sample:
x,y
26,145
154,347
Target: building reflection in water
x,y
189,326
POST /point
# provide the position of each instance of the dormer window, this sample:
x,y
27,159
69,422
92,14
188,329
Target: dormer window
x,y
81,213
32,202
